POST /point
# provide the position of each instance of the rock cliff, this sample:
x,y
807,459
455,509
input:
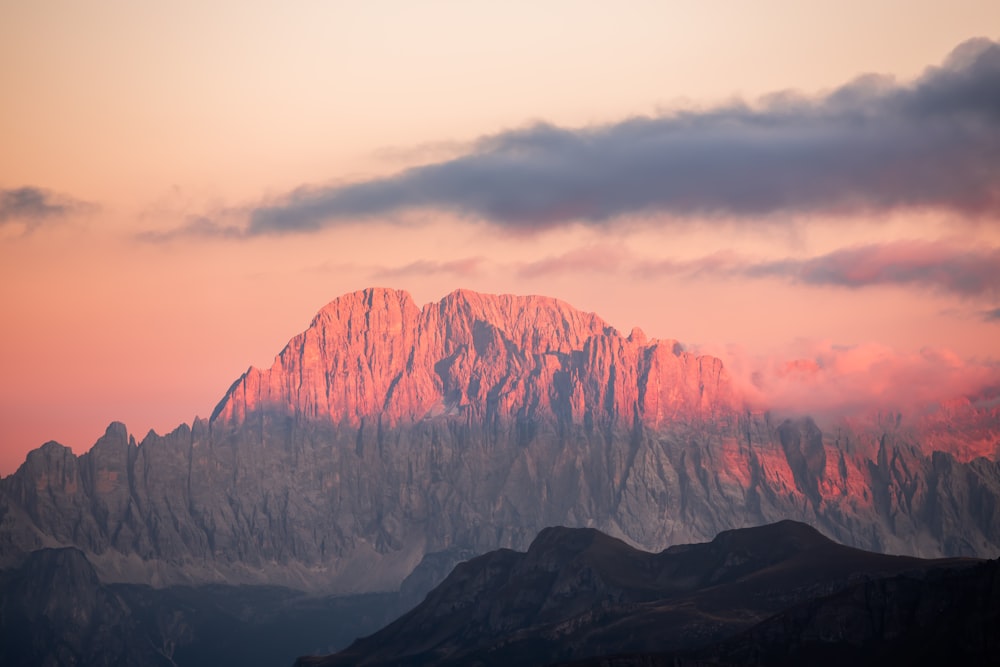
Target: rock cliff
x,y
386,432
374,355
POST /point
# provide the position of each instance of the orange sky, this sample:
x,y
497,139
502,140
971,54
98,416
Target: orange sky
x,y
130,121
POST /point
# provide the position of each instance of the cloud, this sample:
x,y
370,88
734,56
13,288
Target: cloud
x,y
935,265
829,380
32,206
196,226
588,259
465,268
964,272
870,146
992,315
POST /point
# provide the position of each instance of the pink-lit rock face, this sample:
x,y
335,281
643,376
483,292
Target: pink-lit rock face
x,y
386,432
374,354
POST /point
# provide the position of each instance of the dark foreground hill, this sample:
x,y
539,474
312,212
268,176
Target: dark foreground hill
x,y
577,593
945,616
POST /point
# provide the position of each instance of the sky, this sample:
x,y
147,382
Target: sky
x,y
183,185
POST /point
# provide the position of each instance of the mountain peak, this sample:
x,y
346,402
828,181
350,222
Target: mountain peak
x,y
784,532
373,354
370,298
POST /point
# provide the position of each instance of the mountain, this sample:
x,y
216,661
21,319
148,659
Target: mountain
x,y
578,592
55,611
388,435
942,616
946,616
374,356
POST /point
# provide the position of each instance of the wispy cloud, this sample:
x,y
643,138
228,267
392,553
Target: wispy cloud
x,y
961,271
589,259
31,206
873,145
939,266
992,315
196,227
464,268
840,380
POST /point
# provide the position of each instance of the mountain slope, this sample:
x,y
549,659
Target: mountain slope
x,y
578,592
386,432
55,611
945,615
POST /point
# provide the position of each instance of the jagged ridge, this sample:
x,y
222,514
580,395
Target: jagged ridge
x,y
374,354
385,433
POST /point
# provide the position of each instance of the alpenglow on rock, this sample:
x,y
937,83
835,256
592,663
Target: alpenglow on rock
x,y
375,356
386,432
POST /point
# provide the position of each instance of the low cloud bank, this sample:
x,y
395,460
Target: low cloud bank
x,y
823,379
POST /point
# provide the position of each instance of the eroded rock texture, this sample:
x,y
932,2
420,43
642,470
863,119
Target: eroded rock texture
x,y
386,432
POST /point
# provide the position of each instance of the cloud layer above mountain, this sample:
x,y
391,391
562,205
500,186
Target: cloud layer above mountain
x,y
939,266
871,146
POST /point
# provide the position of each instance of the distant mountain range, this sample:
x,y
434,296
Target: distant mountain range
x,y
387,434
776,594
54,611
770,595
389,442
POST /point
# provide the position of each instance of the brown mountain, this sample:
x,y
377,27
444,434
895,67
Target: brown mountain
x,y
386,432
577,593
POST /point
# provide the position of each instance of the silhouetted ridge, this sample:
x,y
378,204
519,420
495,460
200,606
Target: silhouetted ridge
x,y
786,536
579,592
561,542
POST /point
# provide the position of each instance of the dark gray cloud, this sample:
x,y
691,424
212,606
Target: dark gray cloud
x,y
992,315
31,206
872,145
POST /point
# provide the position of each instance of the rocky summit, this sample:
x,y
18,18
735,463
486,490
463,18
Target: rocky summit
x,y
387,435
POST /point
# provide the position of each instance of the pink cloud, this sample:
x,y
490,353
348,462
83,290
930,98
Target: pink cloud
x,y
586,259
465,267
823,379
936,265
933,264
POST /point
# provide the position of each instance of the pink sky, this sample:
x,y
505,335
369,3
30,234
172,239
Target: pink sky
x,y
183,186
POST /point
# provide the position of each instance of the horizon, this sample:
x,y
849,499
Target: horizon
x,y
186,187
